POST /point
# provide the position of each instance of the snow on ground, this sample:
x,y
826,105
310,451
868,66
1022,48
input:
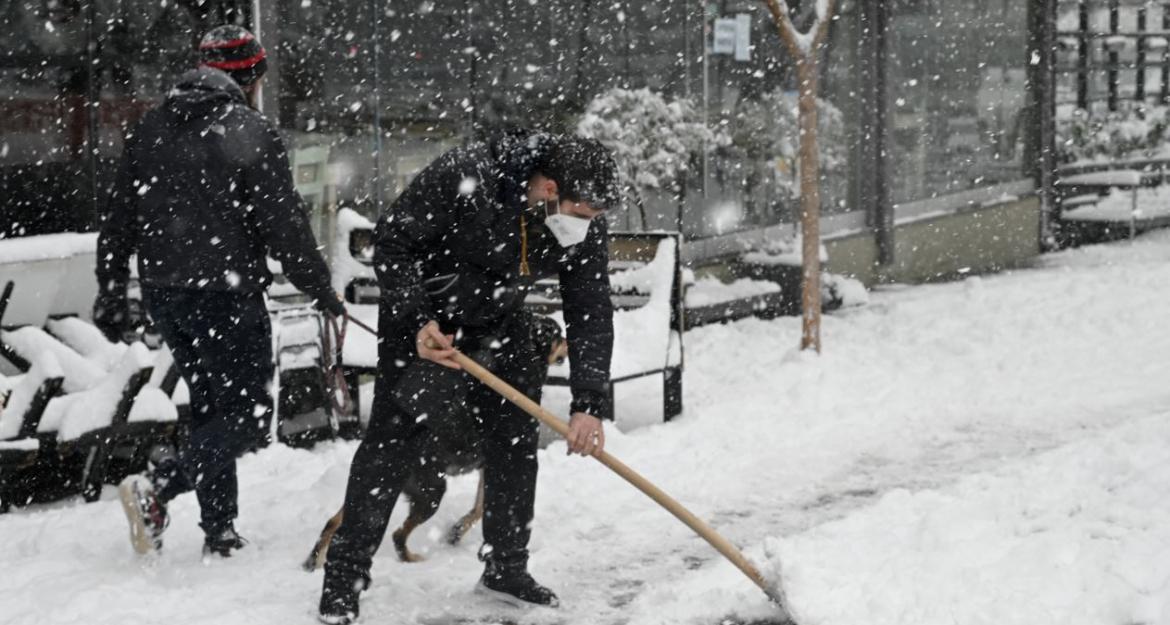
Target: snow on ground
x,y
990,451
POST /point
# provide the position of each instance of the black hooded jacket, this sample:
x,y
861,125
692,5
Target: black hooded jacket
x,y
203,195
449,249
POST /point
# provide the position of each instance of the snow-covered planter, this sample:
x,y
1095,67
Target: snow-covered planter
x,y
780,262
839,291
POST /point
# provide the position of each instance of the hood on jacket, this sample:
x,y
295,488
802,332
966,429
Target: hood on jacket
x,y
202,91
518,152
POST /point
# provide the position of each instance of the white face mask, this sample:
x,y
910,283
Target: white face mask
x,y
567,229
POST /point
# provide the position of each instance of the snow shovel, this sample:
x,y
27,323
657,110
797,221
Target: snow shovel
x,y
774,591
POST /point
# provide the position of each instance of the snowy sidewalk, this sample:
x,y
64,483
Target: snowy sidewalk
x,y
992,451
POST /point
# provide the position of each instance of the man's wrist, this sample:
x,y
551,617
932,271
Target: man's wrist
x,y
591,402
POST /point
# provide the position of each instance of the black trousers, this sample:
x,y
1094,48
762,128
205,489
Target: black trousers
x,y
414,401
222,344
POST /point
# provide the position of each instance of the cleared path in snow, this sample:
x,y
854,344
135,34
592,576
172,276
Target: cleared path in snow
x,y
848,456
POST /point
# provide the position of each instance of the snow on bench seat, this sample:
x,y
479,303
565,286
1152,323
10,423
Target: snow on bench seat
x,y
1118,206
1111,178
643,337
30,343
84,338
710,291
24,444
77,414
20,399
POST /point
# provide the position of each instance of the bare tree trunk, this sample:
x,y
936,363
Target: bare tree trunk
x,y
810,205
804,53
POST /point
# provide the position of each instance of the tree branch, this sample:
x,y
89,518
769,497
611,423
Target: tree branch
x,y
783,20
822,26
781,15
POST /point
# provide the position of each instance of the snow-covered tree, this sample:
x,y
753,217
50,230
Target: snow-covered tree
x,y
655,142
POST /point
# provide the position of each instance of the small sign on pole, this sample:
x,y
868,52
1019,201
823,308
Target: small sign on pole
x,y
726,35
743,37
733,35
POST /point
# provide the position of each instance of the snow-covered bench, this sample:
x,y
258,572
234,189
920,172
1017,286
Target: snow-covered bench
x,y
23,400
646,290
120,412
109,412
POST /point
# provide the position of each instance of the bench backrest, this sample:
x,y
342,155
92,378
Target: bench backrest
x,y
627,250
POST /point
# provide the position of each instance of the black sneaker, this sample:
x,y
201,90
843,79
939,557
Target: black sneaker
x,y
516,588
146,514
339,599
223,543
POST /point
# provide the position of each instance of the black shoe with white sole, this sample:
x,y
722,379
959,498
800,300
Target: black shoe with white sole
x,y
339,599
223,543
515,587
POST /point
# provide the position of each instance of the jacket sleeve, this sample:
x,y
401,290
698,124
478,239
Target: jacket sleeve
x,y
281,219
117,236
588,314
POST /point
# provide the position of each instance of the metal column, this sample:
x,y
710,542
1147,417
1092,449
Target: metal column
x,y
1040,152
869,186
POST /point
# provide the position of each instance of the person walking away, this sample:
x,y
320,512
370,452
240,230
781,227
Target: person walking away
x,y
454,256
203,196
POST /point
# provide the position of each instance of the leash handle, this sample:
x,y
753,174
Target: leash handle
x,y
332,351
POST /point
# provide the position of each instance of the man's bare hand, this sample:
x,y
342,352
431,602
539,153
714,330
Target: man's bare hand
x,y
431,335
586,435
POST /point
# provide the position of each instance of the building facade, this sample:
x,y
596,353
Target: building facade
x,y
930,107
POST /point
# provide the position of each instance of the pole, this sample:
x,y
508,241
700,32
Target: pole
x,y
1139,93
686,55
93,101
1113,73
706,93
1165,55
1083,56
377,105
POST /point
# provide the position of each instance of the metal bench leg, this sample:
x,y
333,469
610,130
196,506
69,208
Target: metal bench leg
x,y
671,393
93,474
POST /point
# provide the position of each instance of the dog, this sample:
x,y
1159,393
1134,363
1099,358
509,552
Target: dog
x,y
459,454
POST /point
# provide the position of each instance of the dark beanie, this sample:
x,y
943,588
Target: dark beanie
x,y
234,50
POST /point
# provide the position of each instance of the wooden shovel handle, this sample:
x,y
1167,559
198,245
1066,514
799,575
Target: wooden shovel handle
x,y
721,544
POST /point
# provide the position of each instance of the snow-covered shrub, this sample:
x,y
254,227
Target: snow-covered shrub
x,y
654,141
1138,132
767,130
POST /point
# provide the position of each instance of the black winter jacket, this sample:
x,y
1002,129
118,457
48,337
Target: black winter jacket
x,y
449,249
203,195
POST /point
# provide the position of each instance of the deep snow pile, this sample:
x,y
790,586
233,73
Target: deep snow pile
x,y
991,451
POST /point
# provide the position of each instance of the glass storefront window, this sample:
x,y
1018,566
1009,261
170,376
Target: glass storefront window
x,y
65,105
957,95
